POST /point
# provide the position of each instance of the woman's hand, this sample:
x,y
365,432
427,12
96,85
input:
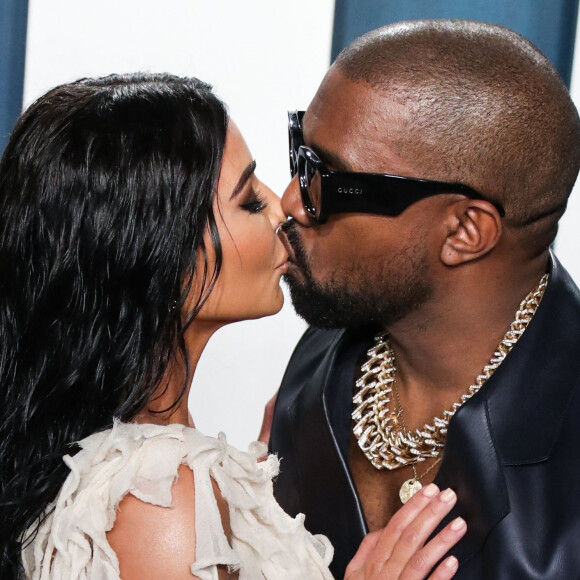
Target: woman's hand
x,y
399,551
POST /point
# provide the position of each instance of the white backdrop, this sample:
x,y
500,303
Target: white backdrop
x,y
263,57
566,245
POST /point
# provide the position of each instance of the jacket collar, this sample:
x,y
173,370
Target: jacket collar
x,y
527,395
522,402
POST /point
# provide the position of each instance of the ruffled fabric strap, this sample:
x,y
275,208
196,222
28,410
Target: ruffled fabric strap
x,y
144,460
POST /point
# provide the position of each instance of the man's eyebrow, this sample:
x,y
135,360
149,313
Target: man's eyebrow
x,y
246,174
332,160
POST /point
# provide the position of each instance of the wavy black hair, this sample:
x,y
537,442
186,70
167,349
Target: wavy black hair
x,y
106,190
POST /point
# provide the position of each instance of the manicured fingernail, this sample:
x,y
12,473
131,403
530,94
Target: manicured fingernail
x,y
431,490
447,495
458,524
451,562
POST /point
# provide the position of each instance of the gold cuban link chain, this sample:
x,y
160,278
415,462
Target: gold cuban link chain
x,y
380,433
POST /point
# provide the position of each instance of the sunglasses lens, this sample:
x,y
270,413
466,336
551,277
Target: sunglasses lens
x,y
309,185
295,139
293,158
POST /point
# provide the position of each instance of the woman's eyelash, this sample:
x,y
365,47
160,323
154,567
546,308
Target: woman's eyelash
x,y
256,203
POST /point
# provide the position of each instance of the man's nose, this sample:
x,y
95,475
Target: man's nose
x,y
292,204
274,207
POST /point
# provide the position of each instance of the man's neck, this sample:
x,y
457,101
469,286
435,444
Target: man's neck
x,y
441,348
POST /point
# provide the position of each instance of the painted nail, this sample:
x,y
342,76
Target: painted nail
x,y
431,490
458,524
451,562
447,495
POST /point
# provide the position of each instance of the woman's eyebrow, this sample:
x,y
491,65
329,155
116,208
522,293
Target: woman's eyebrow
x,y
246,174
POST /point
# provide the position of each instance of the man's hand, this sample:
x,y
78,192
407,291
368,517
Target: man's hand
x,y
399,551
264,435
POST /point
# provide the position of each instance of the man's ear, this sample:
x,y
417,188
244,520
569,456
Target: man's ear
x,y
474,228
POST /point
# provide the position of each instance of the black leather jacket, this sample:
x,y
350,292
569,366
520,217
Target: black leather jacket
x,y
512,452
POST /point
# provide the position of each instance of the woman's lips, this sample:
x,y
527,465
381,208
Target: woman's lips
x,y
283,264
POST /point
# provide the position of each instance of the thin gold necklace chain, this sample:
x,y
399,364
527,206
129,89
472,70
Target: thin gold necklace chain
x,y
429,469
410,486
386,443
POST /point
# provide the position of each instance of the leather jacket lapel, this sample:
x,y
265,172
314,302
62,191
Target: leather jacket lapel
x,y
539,376
329,496
471,467
522,402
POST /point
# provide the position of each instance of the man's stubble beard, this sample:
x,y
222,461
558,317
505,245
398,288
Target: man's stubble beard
x,y
359,295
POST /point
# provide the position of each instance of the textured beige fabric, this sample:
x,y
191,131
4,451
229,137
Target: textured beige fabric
x,y
143,460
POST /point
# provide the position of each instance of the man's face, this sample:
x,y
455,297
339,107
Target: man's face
x,y
356,269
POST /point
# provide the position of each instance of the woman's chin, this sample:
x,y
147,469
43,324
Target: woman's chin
x,y
272,307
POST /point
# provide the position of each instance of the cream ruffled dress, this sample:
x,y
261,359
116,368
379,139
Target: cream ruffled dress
x,y
143,460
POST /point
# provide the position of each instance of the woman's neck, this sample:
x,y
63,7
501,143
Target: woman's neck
x,y
176,382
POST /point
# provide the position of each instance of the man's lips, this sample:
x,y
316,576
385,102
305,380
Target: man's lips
x,y
284,239
295,268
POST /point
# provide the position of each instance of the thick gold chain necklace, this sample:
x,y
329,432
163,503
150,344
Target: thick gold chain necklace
x,y
379,429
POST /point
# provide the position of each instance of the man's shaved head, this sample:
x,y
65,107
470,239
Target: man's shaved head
x,y
482,106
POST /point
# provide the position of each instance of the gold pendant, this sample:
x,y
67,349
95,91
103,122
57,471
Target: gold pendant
x,y
409,489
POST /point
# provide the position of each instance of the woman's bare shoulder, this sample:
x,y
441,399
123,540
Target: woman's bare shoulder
x,y
154,542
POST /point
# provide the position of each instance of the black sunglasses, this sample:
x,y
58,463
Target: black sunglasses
x,y
325,192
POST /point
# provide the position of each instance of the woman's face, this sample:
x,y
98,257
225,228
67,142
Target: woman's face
x,y
247,215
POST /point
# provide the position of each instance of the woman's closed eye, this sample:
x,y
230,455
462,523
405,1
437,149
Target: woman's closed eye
x,y
254,202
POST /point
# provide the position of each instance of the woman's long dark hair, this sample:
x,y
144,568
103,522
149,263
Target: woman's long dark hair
x,y
106,191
